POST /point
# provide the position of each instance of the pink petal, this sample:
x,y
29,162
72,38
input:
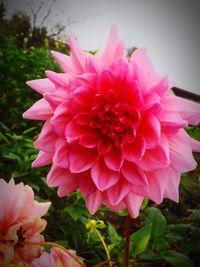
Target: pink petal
x,y
133,174
73,130
181,153
162,86
144,70
172,186
156,158
130,94
77,55
134,150
190,111
104,146
59,79
61,154
115,208
86,184
81,159
157,181
103,177
60,119
114,49
195,144
89,141
41,110
172,122
42,159
66,181
93,201
87,80
83,118
150,130
105,82
69,186
117,192
81,100
41,85
63,60
40,209
133,204
151,102
47,138
90,65
56,97
114,159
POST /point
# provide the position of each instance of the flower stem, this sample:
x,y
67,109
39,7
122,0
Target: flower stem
x,y
58,246
105,247
127,244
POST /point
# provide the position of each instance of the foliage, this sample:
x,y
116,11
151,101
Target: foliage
x,y
16,67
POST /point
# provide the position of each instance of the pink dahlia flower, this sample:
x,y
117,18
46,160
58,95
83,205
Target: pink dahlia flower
x,y
20,222
112,128
57,258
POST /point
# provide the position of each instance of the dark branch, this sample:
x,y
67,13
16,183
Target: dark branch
x,y
186,94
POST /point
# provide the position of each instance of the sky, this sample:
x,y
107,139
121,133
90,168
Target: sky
x,y
170,30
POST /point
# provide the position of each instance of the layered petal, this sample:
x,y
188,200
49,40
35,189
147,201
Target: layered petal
x,y
41,110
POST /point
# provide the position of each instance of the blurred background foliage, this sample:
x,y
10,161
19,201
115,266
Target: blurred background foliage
x,y
165,235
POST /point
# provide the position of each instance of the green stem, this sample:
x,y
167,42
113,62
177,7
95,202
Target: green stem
x,y
105,247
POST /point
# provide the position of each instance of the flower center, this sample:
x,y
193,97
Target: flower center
x,y
116,121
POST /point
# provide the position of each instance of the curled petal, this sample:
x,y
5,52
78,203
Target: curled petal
x,y
60,119
117,192
172,122
59,79
181,153
73,130
93,201
47,139
172,186
42,159
56,97
41,110
81,159
157,181
63,60
150,130
133,204
134,150
66,181
103,177
156,158
77,55
61,154
41,85
143,70
114,159
114,49
190,111
133,174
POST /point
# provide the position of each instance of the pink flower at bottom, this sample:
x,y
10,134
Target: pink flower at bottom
x,y
57,258
113,128
20,222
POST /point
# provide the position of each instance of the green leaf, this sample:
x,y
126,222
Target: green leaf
x,y
113,235
144,204
139,240
158,221
177,259
75,211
